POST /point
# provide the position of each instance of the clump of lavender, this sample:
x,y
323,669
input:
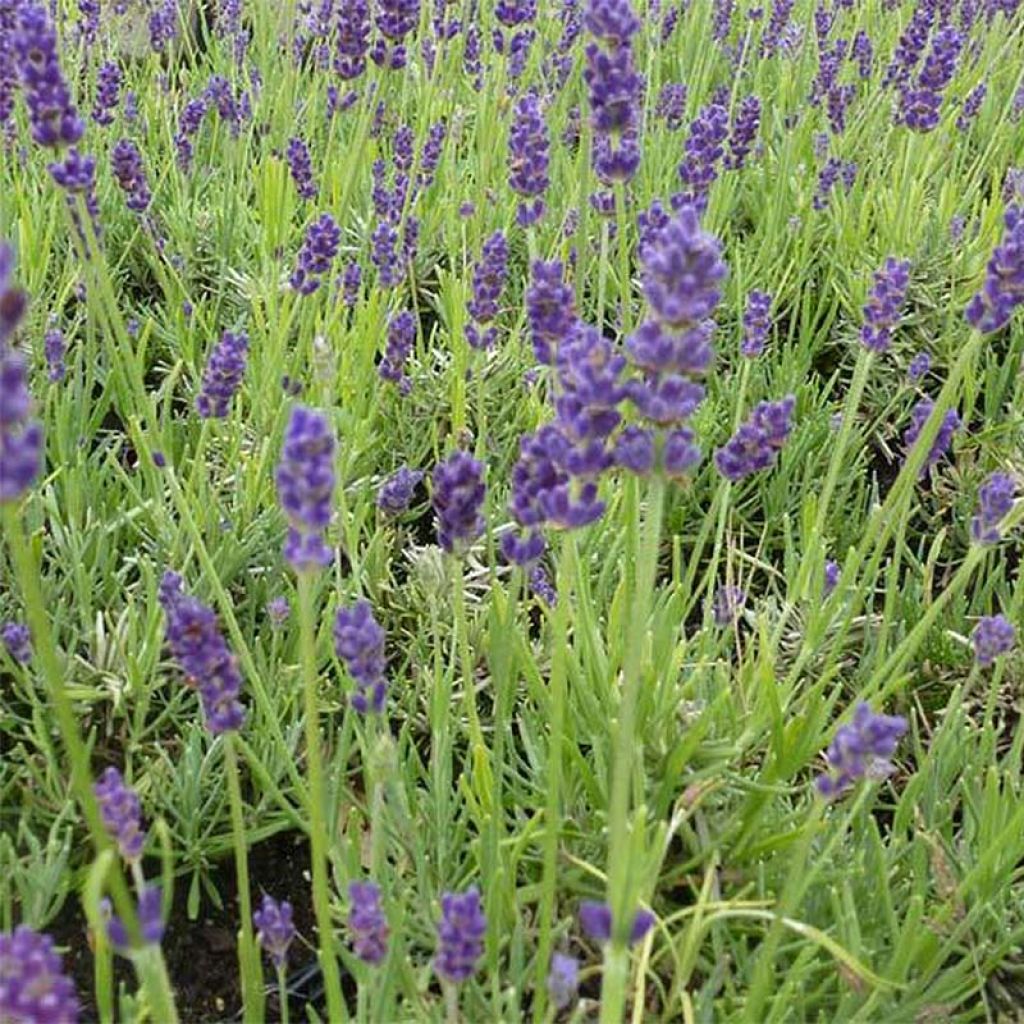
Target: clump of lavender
x,y
488,282
703,149
992,637
882,310
757,322
366,923
121,812
53,117
910,46
743,132
861,749
995,500
670,106
223,375
18,641
460,935
400,338
563,979
1003,291
918,417
528,159
188,127
151,920
756,444
130,173
318,251
972,105
457,498
596,921
834,172
359,643
395,494
550,309
430,154
108,93
395,19
351,283
613,89
54,350
199,648
275,929
21,436
384,254
352,39
305,487
33,985
300,163
920,106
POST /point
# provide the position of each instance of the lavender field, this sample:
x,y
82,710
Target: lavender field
x,y
512,511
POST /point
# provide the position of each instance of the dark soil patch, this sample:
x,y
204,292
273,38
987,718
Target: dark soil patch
x,y
201,955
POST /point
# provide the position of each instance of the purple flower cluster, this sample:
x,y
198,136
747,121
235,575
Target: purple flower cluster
x,y
52,113
743,132
834,172
995,500
33,986
757,322
614,88
550,309
396,492
395,19
860,749
359,643
943,439
457,498
670,106
756,444
910,46
703,149
54,349
972,106
563,979
126,163
275,929
21,435
199,648
316,255
121,812
596,921
919,366
992,637
305,487
17,639
1003,291
882,310
13,301
108,93
920,105
367,923
300,163
352,39
151,920
401,336
528,158
488,282
460,935
223,375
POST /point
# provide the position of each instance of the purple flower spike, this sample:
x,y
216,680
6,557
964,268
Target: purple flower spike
x,y
1003,290
993,637
108,93
489,280
882,310
756,444
704,148
18,641
528,159
199,648
275,929
359,643
727,605
919,366
596,921
367,923
278,610
316,255
13,301
458,497
21,436
33,986
121,812
52,114
396,492
757,323
563,979
300,163
460,935
743,133
151,920
831,577
919,416
400,339
995,500
550,309
223,375
305,487
861,749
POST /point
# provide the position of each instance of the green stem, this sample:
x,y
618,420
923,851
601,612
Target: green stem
x,y
465,657
552,808
317,824
282,993
621,894
248,953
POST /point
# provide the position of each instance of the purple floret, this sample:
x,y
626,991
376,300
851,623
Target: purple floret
x,y
861,749
460,935
359,643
